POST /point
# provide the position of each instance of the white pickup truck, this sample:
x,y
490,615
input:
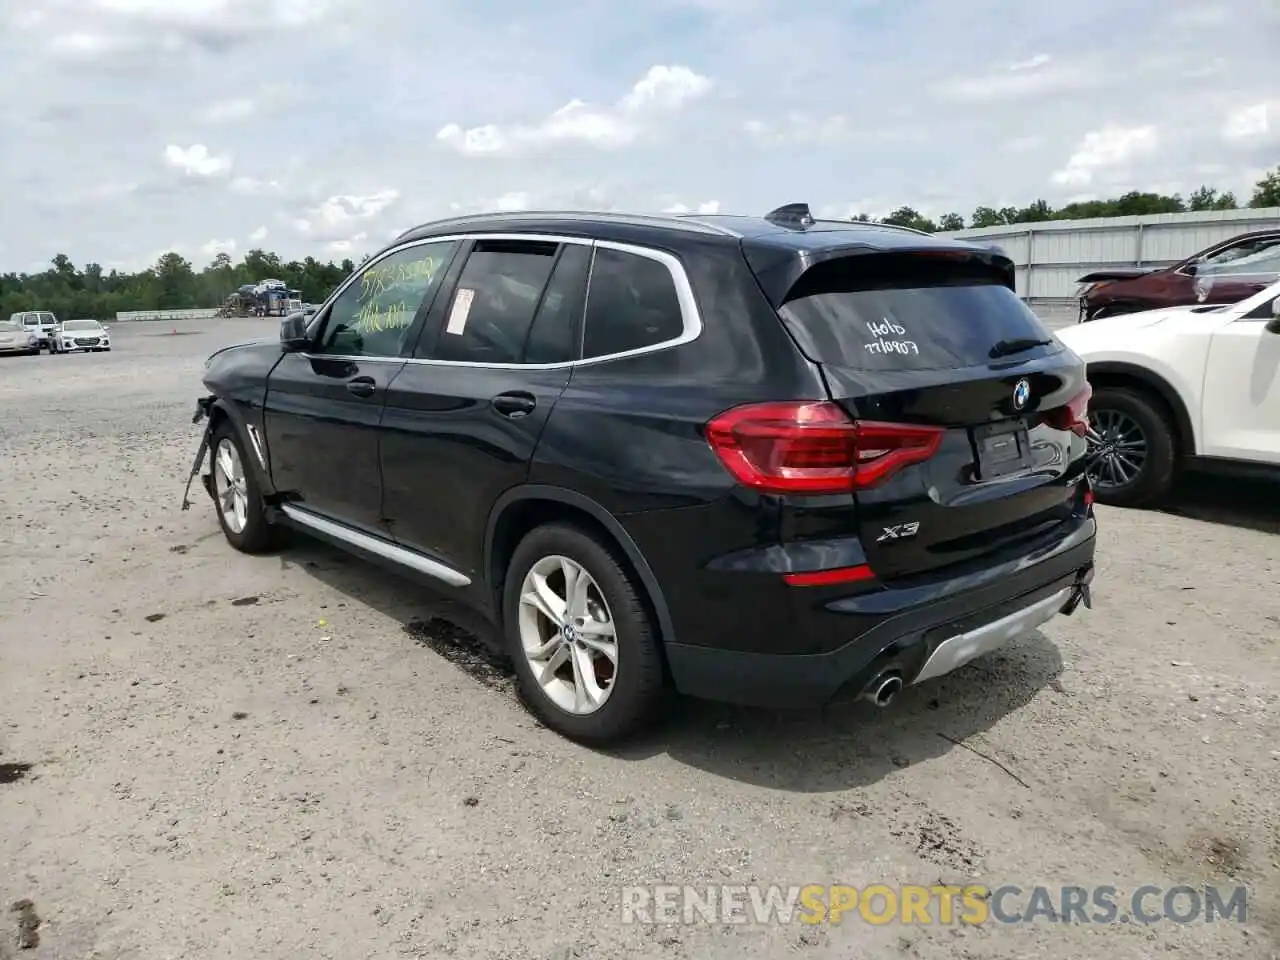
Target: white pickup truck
x,y
39,322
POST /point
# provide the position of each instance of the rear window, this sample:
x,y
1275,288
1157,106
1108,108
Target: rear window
x,y
874,312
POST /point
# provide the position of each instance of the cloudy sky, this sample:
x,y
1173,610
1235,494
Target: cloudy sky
x,y
324,127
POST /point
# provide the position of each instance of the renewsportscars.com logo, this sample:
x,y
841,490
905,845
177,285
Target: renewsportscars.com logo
x,y
935,904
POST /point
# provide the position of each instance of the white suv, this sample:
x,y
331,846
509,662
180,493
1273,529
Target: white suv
x,y
38,322
1186,387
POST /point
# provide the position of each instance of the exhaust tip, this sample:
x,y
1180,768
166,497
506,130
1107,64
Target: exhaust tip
x,y
884,690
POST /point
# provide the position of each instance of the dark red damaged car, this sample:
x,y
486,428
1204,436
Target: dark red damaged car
x,y
1224,273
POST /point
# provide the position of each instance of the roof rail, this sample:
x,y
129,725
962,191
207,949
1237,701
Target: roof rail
x,y
600,215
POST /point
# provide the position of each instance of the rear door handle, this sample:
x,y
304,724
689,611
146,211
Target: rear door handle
x,y
362,386
514,404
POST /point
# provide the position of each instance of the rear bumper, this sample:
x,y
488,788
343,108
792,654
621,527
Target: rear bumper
x,y
922,632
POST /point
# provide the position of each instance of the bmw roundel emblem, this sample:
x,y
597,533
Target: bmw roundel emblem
x,y
1021,394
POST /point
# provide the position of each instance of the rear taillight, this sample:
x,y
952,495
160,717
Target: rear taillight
x,y
813,447
1074,415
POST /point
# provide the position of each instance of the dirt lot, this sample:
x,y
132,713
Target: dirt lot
x,y
204,754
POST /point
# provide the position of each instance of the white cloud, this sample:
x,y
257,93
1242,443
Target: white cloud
x,y
1024,144
1031,63
710,206
801,128
215,247
252,187
227,111
347,246
1248,123
510,202
197,161
337,215
1106,149
1020,81
258,235
86,46
663,89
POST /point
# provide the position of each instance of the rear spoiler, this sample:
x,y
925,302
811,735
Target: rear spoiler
x,y
779,270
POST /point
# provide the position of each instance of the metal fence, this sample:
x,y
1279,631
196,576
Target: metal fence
x,y
125,316
1051,256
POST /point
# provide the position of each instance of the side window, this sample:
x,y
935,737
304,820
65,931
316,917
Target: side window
x,y
557,329
631,303
372,317
497,294
1245,251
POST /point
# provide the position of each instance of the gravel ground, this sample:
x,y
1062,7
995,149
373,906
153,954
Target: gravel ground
x,y
204,754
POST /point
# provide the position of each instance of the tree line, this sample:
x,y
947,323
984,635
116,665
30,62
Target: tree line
x,y
1266,193
173,283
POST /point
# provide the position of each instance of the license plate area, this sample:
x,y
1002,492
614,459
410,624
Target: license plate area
x,y
1003,449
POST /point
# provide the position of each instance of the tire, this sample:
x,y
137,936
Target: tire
x,y
1135,412
636,686
256,534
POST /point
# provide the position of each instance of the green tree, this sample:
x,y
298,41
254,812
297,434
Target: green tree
x,y
171,283
985,217
1208,198
1036,212
1266,192
175,282
951,221
909,217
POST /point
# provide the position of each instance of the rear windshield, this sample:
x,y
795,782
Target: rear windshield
x,y
901,312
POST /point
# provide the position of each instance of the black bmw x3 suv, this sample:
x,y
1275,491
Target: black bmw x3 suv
x,y
765,460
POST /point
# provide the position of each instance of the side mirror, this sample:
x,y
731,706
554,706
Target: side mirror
x,y
293,333
309,311
1191,269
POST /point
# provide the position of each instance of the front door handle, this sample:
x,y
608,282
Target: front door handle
x,y
362,386
514,404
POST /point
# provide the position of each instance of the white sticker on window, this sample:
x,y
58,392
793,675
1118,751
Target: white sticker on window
x,y
461,309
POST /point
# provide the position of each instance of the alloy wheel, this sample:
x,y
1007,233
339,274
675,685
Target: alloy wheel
x,y
1118,448
567,635
230,486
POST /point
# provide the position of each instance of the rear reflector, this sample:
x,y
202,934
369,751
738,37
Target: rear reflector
x,y
828,578
1074,416
813,447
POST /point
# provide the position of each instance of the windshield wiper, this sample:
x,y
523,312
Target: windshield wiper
x,y
1005,348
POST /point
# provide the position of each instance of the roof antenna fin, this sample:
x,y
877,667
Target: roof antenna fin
x,y
791,215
